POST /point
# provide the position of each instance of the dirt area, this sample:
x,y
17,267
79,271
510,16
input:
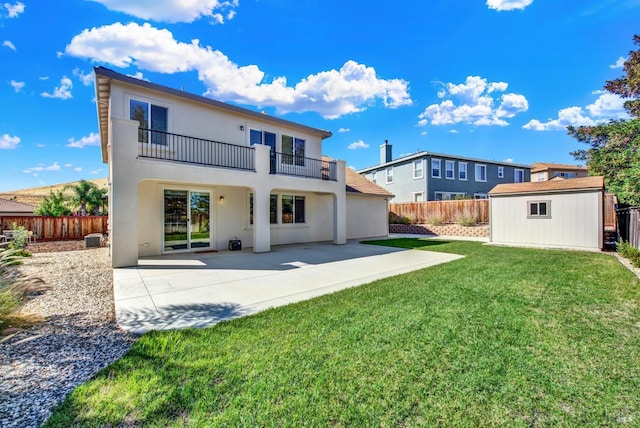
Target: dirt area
x,y
55,246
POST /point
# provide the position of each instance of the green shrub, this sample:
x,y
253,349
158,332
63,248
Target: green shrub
x,y
628,251
466,219
19,237
398,219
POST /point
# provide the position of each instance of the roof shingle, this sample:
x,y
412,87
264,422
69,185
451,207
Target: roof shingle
x,y
583,183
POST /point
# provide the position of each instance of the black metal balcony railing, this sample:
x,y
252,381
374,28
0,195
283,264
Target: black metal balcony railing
x,y
300,166
198,151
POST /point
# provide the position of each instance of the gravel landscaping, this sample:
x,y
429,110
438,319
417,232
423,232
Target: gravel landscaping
x,y
40,366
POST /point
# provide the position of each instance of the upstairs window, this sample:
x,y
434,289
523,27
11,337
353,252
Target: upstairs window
x,y
153,121
481,172
292,150
462,170
417,168
435,168
518,176
373,177
389,175
449,170
500,172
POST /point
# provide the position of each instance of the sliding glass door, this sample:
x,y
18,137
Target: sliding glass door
x,y
186,220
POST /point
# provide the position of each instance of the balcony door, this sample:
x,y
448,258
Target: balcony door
x,y
267,138
187,220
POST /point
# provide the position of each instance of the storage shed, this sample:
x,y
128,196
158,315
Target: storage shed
x,y
558,214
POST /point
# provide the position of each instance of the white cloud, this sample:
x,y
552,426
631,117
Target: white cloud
x,y
610,106
86,79
41,168
475,104
9,142
606,106
17,86
43,78
63,91
423,133
454,131
138,75
78,169
92,139
331,93
95,172
40,146
173,10
68,165
8,44
14,10
508,4
341,130
569,116
619,63
358,145
508,160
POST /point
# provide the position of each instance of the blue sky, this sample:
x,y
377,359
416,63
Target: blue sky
x,y
491,79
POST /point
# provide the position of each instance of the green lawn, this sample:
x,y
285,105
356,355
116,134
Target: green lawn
x,y
504,336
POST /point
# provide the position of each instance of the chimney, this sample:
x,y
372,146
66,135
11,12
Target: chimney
x,y
385,152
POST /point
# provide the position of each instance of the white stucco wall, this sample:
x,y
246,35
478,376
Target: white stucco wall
x,y
367,216
576,220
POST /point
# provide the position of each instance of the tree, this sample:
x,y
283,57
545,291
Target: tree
x,y
614,150
86,194
97,199
53,205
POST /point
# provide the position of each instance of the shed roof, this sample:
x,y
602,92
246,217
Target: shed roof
x,y
583,183
361,185
15,207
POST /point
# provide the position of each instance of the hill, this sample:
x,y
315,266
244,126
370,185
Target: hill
x,y
34,195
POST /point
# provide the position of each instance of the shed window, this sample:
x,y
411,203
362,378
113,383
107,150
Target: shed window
x,y
539,209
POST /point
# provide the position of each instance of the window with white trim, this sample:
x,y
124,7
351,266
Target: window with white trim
x,y
436,165
462,170
500,172
481,172
539,209
518,176
417,168
389,175
292,150
449,170
373,177
292,209
418,196
153,121
480,196
541,176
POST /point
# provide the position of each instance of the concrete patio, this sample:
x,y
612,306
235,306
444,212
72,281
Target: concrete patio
x,y
201,289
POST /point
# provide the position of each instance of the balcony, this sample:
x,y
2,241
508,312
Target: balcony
x,y
209,153
195,151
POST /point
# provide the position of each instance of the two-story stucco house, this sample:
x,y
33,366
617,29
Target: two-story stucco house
x,y
428,176
187,173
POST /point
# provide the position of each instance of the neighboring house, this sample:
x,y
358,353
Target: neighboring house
x,y
427,176
558,213
14,209
187,173
541,171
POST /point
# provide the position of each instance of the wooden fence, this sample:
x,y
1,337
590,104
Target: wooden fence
x,y
448,211
58,228
610,218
